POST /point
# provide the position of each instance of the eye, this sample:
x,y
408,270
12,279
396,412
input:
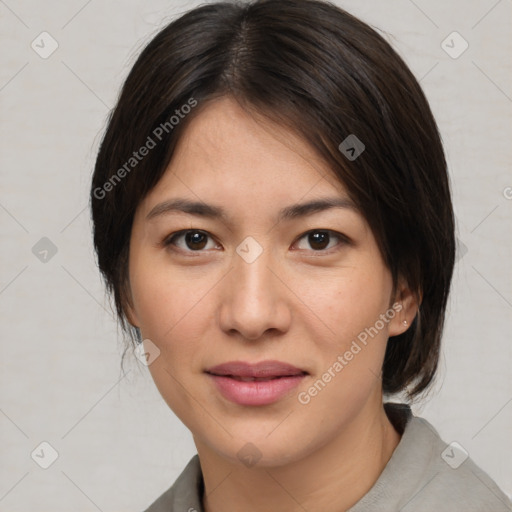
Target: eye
x,y
320,239
194,240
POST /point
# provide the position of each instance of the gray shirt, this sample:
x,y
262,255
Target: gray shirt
x,y
424,474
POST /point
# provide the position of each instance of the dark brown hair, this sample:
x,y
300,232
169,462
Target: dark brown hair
x,y
321,72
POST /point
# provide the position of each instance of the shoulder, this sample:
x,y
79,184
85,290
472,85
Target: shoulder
x,y
454,480
425,474
185,493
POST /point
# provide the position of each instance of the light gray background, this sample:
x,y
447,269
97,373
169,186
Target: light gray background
x,y
119,445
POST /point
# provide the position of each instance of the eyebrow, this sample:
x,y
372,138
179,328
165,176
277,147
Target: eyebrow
x,y
216,212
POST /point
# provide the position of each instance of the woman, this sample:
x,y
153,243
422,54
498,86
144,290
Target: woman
x,y
272,214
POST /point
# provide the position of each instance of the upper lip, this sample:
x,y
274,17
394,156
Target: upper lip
x,y
261,369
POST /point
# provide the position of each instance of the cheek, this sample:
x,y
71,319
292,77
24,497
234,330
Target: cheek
x,y
174,317
350,360
348,304
351,352
167,303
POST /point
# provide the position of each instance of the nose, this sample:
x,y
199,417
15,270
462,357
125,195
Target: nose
x,y
255,300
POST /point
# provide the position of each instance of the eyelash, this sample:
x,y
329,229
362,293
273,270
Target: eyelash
x,y
343,240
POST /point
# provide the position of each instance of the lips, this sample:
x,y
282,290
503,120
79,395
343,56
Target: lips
x,y
247,372
257,384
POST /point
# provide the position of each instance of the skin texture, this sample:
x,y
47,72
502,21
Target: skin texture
x,y
298,302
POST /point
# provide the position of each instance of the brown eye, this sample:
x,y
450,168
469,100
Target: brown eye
x,y
194,240
320,240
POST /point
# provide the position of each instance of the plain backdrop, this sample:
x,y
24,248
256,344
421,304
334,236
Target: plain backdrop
x,y
118,444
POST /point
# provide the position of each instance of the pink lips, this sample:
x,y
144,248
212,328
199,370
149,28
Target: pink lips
x,y
255,384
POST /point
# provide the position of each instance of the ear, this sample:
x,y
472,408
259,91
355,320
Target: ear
x,y
405,304
128,307
131,316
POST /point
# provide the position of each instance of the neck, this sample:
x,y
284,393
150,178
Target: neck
x,y
330,479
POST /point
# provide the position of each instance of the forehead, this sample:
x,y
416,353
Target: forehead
x,y
230,149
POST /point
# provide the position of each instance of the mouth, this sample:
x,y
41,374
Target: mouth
x,y
253,379
247,372
255,384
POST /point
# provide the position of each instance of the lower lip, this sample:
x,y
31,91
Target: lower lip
x,y
261,392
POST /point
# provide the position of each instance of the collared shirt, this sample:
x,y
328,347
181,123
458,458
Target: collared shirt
x,y
424,474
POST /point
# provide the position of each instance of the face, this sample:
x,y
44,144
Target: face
x,y
263,282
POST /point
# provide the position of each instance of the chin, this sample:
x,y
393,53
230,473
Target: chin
x,y
261,450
